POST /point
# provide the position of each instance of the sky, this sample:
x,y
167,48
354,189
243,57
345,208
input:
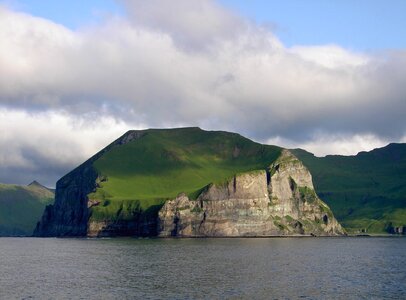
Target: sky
x,y
326,76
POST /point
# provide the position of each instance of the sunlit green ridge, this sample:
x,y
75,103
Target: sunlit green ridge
x,y
165,162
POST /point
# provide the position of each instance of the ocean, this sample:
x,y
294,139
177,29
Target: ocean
x,y
218,268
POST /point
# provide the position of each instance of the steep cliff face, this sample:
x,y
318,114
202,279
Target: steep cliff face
x,y
122,190
69,215
277,201
137,223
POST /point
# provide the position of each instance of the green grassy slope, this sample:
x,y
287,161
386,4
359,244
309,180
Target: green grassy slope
x,y
165,162
21,207
366,191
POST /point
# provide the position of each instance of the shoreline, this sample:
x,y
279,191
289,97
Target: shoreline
x,y
372,235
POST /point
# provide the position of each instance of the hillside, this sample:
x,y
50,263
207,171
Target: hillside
x,y
121,189
21,207
167,162
365,191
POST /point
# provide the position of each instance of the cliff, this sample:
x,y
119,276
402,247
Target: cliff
x,y
277,201
157,183
70,214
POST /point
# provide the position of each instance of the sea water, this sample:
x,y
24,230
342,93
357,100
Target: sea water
x,y
234,268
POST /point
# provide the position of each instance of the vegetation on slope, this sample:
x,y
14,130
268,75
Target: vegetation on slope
x,y
21,207
366,191
164,162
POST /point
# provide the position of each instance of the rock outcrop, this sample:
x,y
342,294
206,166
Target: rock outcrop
x,y
273,202
69,215
279,200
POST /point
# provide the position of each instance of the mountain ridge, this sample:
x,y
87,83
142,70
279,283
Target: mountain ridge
x,y
367,191
21,206
120,190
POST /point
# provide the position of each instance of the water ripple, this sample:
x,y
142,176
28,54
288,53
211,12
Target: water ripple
x,y
278,268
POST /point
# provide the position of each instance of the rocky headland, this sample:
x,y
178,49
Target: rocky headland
x,y
278,200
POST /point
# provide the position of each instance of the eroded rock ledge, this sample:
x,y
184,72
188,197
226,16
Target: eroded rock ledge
x,y
273,202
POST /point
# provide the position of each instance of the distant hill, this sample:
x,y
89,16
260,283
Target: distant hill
x,y
21,207
366,191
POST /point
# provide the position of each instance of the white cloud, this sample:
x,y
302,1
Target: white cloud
x,y
330,56
51,140
191,24
324,144
60,136
202,65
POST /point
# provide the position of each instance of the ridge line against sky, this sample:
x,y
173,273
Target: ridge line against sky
x,y
326,76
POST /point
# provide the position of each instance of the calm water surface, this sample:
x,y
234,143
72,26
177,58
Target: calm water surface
x,y
277,268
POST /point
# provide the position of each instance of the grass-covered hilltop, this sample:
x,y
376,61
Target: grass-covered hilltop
x,y
192,182
367,192
21,207
165,162
224,179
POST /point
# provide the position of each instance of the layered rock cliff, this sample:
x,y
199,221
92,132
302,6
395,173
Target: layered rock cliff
x,y
277,201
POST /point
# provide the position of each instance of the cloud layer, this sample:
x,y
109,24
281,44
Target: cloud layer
x,y
44,146
178,64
